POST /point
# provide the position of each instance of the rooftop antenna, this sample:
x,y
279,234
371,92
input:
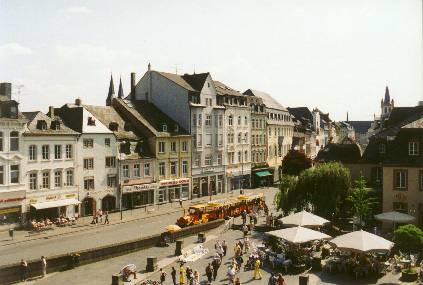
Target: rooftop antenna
x,y
176,68
19,92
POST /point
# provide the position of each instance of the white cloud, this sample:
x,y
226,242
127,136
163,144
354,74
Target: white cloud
x,y
14,49
78,10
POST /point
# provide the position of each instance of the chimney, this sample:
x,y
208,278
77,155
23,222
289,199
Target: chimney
x,y
6,89
78,102
149,95
51,111
133,86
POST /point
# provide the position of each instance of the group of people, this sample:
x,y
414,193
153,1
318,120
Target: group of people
x,y
24,268
98,218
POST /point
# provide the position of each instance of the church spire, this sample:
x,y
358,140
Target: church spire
x,y
120,92
387,97
111,94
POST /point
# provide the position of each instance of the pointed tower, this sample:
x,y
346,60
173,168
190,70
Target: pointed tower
x,y
120,92
386,105
111,94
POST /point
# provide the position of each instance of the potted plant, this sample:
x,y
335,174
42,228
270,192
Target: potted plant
x,y
409,275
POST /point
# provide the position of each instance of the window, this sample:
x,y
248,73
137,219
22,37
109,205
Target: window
x,y
137,170
220,120
164,128
413,148
239,120
13,112
173,168
46,180
172,146
197,160
231,120
14,141
162,196
270,132
69,151
111,181
208,139
208,120
184,167
2,175
199,120
231,157
88,163
220,142
127,127
199,140
194,120
1,141
176,128
146,169
107,142
382,148
239,156
58,179
162,147
377,174
239,138
69,177
184,146
57,151
246,137
230,138
215,120
125,171
219,159
194,138
88,143
91,121
400,179
88,183
33,181
45,152
400,207
113,127
245,120
246,156
110,161
32,153
207,160
162,169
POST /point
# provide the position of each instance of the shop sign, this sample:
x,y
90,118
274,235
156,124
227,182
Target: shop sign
x,y
400,196
55,197
70,195
11,210
136,188
210,169
33,200
232,167
11,200
174,181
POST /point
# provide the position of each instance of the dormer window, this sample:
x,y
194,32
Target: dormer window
x,y
382,148
127,127
42,125
13,112
164,128
55,125
91,121
413,148
176,128
113,127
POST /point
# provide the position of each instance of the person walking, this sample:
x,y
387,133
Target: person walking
x,y
209,273
196,276
237,282
182,273
106,219
220,251
280,280
245,230
188,273
255,218
225,247
257,269
24,267
251,215
162,276
272,279
271,219
173,274
244,217
44,266
215,265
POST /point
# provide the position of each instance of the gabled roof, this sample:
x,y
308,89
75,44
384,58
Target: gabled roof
x,y
177,79
222,89
399,114
268,100
360,126
196,81
392,130
397,152
345,151
33,119
301,113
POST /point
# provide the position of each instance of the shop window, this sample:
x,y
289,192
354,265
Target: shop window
x,y
162,196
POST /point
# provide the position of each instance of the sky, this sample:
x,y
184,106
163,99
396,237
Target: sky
x,y
336,55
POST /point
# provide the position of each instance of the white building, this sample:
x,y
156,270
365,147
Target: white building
x,y
96,158
12,186
49,167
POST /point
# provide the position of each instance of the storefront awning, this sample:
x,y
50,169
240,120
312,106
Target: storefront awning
x,y
263,173
55,204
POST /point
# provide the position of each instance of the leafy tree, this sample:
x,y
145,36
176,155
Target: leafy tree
x,y
294,162
361,203
409,238
285,199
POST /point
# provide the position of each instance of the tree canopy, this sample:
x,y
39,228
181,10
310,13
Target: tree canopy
x,y
294,162
409,238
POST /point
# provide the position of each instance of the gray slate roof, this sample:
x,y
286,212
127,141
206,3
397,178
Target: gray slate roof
x,y
268,100
33,119
360,126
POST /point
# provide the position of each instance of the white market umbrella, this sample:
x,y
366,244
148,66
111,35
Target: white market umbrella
x,y
298,235
304,219
131,267
395,217
361,241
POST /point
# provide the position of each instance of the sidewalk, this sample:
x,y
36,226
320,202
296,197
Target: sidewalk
x,y
84,224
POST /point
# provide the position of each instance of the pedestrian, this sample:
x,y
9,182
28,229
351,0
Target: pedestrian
x,y
225,247
215,265
180,202
239,261
220,251
24,267
257,269
44,266
280,280
251,215
241,246
245,230
188,273
162,276
100,214
173,274
244,217
209,273
271,219
237,282
267,220
196,276
246,244
106,220
272,279
251,226
236,249
192,281
255,218
182,273
231,272
216,245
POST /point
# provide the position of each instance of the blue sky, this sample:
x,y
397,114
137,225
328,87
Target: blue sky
x,y
335,55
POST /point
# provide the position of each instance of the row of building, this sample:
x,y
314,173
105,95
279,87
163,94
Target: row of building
x,y
173,137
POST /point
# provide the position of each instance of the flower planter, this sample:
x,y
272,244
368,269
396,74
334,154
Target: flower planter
x,y
409,277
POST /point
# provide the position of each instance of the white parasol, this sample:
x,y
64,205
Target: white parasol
x,y
361,241
395,217
299,235
129,266
304,219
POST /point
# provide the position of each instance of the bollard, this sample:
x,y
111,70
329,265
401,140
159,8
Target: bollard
x,y
151,264
304,280
201,237
179,246
117,279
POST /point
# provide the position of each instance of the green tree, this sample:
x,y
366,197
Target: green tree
x,y
285,199
361,203
409,238
294,162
